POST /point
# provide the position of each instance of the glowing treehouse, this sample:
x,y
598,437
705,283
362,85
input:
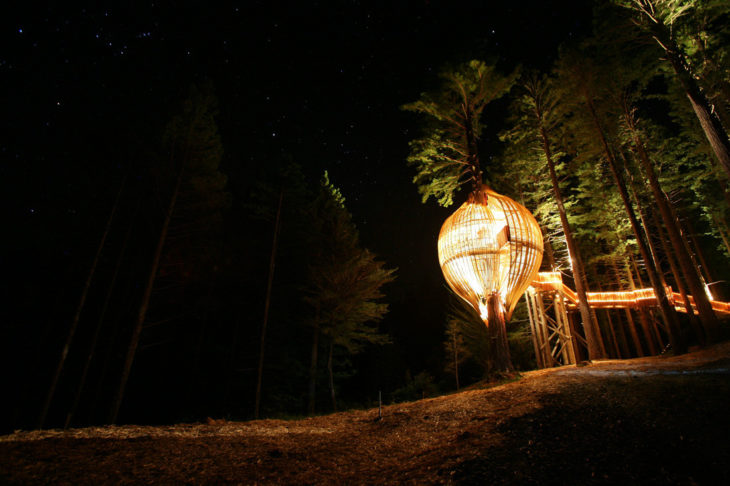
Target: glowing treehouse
x,y
490,250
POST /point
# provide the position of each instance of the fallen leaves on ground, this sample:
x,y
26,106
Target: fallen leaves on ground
x,y
659,420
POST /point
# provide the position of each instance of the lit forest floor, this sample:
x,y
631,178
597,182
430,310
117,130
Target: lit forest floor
x,y
662,420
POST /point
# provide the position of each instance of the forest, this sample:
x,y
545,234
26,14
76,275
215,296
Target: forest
x,y
167,269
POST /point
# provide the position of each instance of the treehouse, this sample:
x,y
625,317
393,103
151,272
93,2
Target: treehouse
x,y
490,251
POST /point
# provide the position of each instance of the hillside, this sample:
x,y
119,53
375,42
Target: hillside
x,y
661,420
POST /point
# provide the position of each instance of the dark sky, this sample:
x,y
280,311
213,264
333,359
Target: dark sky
x,y
320,82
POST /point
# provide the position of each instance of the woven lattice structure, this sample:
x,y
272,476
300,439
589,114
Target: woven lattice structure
x,y
490,245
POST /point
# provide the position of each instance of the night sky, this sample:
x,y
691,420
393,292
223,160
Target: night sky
x,y
319,83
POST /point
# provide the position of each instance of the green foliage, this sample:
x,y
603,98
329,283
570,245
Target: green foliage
x,y
446,157
664,11
345,280
524,173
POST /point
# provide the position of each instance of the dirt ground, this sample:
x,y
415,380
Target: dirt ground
x,y
662,420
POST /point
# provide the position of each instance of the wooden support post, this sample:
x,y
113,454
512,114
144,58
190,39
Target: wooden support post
x,y
530,300
545,348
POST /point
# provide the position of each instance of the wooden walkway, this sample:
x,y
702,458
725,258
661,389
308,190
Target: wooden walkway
x,y
551,307
628,299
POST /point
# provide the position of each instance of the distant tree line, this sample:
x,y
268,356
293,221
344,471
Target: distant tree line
x,y
182,315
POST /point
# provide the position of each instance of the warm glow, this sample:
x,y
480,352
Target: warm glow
x,y
490,245
553,281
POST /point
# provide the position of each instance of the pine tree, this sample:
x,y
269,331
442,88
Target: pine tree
x,y
344,286
536,122
447,156
580,78
662,20
194,151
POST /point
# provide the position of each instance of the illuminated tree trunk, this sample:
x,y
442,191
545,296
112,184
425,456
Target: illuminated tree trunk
x,y
709,277
629,317
79,308
707,315
594,340
596,347
667,311
610,342
267,303
716,134
497,330
694,322
651,331
646,317
99,324
620,332
549,255
142,313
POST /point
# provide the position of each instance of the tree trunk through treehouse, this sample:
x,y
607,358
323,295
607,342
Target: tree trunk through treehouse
x,y
79,308
497,331
667,310
596,347
267,303
472,155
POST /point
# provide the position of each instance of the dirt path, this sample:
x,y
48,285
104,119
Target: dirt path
x,y
643,421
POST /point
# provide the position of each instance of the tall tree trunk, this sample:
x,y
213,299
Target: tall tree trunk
x,y
705,268
267,303
142,313
79,308
650,328
641,312
620,332
331,376
716,134
549,254
667,310
313,366
596,348
694,322
723,234
648,320
100,323
688,247
609,331
497,330
707,315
